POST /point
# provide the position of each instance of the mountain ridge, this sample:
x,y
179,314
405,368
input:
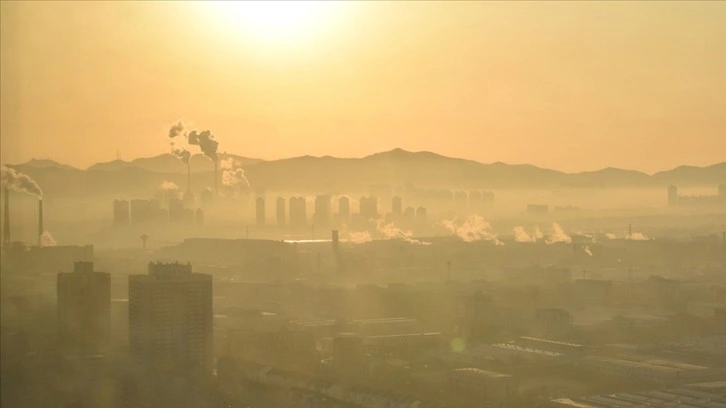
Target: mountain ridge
x,y
327,173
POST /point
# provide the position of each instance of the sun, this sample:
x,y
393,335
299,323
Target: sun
x,y
274,21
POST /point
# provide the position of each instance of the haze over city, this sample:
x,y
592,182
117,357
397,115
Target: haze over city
x,y
362,204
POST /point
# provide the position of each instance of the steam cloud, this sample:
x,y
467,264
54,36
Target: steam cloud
x,y
558,235
168,186
46,239
232,173
521,234
390,231
17,181
635,236
638,236
587,250
472,228
359,237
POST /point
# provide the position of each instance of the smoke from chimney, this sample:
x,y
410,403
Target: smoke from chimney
x,y
391,231
472,228
40,222
205,141
168,185
207,144
232,173
6,217
17,181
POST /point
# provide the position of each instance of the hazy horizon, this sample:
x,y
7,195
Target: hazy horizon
x,y
201,155
565,86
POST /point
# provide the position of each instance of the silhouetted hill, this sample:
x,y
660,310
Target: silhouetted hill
x,y
141,177
46,163
690,175
607,177
166,163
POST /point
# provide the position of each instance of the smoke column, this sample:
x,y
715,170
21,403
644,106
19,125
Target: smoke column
x,y
390,231
168,185
521,234
232,173
359,237
472,228
178,131
6,217
558,235
633,236
46,239
208,146
17,181
40,222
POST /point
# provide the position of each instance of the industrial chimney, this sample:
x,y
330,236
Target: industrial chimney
x,y
6,217
40,222
335,240
216,178
189,178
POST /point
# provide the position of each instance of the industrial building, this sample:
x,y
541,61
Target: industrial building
x,y
701,395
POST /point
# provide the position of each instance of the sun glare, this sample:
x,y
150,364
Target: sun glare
x,y
274,21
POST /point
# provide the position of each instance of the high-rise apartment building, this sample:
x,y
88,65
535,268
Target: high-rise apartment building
x,y
323,211
344,210
298,212
170,318
84,310
280,211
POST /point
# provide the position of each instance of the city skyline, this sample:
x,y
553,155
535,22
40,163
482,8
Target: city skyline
x,y
568,86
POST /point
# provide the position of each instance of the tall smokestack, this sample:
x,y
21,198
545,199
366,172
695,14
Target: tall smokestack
x,y
189,178
40,222
6,217
216,178
335,241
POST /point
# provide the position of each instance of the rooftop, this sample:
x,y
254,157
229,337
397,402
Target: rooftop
x,y
707,395
469,371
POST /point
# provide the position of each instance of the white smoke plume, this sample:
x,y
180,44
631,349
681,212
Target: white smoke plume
x,y
635,236
558,235
587,250
521,234
17,181
472,228
232,173
638,236
168,186
359,237
391,231
46,239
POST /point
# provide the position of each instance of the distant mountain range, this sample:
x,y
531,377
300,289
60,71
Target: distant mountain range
x,y
318,174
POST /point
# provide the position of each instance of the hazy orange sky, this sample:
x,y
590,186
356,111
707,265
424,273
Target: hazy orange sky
x,y
570,86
